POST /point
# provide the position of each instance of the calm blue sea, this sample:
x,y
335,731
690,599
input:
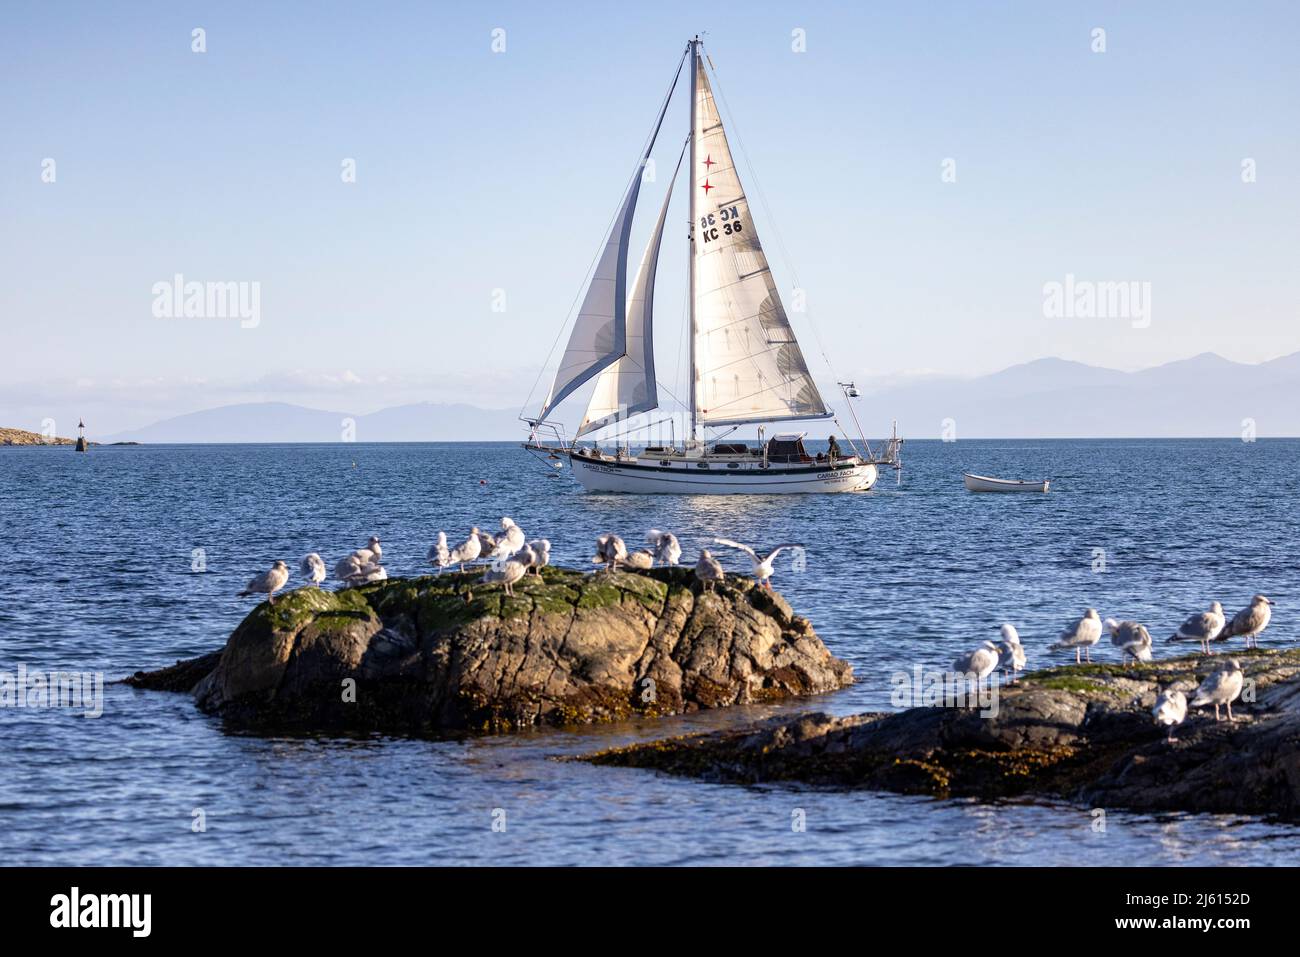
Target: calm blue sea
x,y
98,577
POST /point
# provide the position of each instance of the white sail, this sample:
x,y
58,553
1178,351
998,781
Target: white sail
x,y
599,335
627,388
748,364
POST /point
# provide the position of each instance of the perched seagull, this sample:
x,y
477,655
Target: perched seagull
x,y
1249,622
367,573
708,570
1130,638
371,553
667,549
1203,627
981,662
1011,653
268,583
525,556
640,559
439,554
541,549
485,542
466,551
362,559
313,569
1081,635
511,540
1170,709
610,550
1221,687
763,567
506,573
347,567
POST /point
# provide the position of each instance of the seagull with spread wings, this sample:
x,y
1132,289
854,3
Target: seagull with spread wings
x,y
763,566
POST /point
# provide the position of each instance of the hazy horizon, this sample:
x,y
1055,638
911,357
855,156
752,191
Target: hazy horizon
x,y
932,171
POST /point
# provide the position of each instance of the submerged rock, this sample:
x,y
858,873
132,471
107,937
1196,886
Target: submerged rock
x,y
449,653
1082,733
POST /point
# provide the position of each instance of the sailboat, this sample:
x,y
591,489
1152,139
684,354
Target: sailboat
x,y
746,366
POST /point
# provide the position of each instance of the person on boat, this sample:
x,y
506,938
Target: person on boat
x,y
834,449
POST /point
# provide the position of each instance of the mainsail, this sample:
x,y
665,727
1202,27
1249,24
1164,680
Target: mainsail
x,y
599,335
627,387
748,364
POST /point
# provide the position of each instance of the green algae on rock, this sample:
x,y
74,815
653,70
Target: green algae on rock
x,y
440,653
1078,732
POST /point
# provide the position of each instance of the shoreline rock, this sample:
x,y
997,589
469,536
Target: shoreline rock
x,y
447,653
1081,733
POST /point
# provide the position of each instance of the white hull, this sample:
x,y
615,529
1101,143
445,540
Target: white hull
x,y
983,483
686,479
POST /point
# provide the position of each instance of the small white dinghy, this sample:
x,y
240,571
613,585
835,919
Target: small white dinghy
x,y
982,483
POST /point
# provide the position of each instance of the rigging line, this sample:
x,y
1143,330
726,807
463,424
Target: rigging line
x,y
614,370
681,335
681,326
591,268
767,210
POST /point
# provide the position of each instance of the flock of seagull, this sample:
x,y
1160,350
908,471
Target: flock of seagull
x,y
1134,640
511,557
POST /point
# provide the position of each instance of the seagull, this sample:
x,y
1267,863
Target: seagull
x,y
640,559
367,573
525,556
511,540
439,554
610,550
541,549
506,573
1170,709
485,542
1249,622
763,567
466,551
313,569
708,570
351,566
666,547
1011,653
268,582
981,662
371,553
1130,638
1203,627
347,567
1221,687
1081,635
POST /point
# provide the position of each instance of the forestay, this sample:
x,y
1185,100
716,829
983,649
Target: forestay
x,y
627,387
599,335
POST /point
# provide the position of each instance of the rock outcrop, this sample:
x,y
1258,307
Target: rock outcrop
x,y
446,652
1083,733
23,437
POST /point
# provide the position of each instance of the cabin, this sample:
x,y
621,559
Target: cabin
x,y
787,447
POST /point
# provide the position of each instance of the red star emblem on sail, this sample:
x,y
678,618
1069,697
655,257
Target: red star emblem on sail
x,y
706,187
708,161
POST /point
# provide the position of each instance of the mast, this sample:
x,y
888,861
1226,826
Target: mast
x,y
690,242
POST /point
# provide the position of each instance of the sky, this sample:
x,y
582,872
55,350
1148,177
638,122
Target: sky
x,y
484,180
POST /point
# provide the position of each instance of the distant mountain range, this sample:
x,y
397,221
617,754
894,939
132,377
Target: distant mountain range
x,y
1205,395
